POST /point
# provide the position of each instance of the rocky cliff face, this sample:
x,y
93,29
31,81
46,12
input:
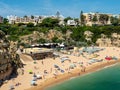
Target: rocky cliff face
x,y
8,58
47,36
105,41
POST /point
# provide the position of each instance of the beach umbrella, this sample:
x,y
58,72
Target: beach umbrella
x,y
30,71
108,58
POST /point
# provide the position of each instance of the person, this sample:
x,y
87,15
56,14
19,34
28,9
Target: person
x,y
34,75
22,71
42,62
35,67
43,76
55,75
51,70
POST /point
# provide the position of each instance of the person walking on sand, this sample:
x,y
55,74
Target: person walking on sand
x,y
50,70
42,62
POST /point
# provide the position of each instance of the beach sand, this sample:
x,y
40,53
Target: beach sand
x,y
75,73
48,65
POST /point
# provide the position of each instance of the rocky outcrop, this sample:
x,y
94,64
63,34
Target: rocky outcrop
x,y
113,41
53,33
9,60
32,38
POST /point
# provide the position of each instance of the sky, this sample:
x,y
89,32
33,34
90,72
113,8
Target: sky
x,y
50,7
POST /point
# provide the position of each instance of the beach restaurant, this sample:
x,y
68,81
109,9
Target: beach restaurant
x,y
38,53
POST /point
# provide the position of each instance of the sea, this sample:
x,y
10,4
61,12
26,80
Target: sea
x,y
104,79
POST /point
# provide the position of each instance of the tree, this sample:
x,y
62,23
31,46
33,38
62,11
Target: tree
x,y
54,39
78,34
25,16
68,18
20,24
13,38
76,20
32,17
41,40
30,25
103,18
95,19
5,21
49,22
82,18
114,21
30,40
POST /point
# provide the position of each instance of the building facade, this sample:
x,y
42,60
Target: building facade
x,y
13,19
71,23
1,19
88,20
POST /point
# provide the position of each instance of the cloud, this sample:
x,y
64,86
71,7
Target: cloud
x,y
6,9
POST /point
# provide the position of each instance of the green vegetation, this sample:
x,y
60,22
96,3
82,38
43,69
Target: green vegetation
x,y
15,31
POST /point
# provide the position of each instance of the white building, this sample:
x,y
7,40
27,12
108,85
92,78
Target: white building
x,y
28,19
71,23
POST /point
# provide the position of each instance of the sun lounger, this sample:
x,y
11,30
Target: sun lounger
x,y
33,83
56,66
39,76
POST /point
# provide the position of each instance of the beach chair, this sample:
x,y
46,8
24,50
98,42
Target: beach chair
x,y
33,83
39,76
56,66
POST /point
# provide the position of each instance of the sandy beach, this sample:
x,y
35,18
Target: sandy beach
x,y
75,73
47,65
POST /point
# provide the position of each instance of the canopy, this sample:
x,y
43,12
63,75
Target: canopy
x,y
64,59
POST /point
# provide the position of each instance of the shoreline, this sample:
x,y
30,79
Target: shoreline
x,y
75,73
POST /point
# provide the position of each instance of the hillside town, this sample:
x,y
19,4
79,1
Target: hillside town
x,y
90,19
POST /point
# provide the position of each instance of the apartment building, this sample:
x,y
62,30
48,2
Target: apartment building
x,y
30,19
89,18
26,19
